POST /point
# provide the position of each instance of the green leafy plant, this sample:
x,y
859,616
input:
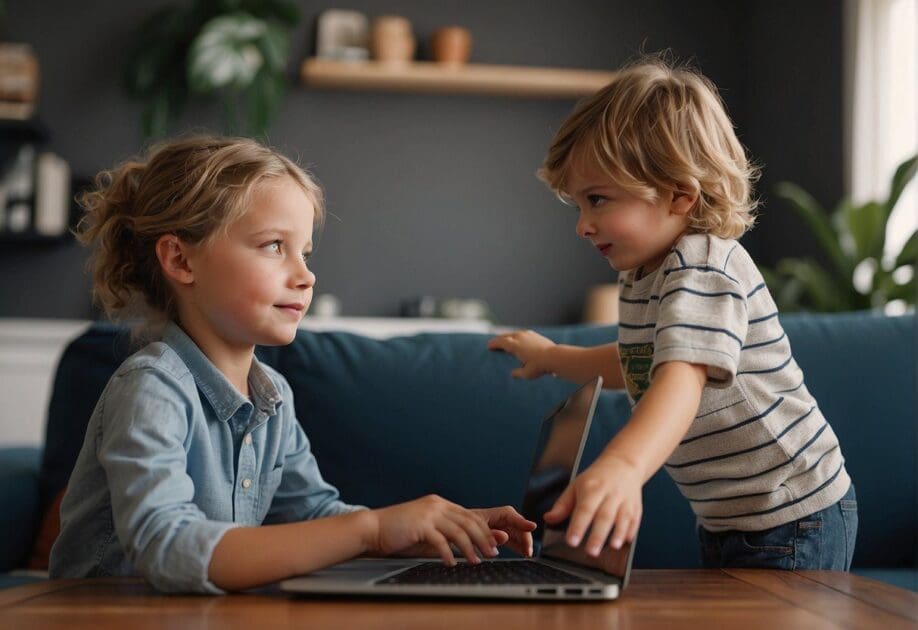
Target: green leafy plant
x,y
853,239
232,51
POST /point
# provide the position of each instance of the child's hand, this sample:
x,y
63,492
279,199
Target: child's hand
x,y
530,348
428,526
606,495
509,526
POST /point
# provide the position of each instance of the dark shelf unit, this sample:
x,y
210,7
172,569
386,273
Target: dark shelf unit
x,y
13,134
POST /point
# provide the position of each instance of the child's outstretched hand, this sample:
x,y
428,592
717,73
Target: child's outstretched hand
x,y
530,348
510,527
428,526
607,495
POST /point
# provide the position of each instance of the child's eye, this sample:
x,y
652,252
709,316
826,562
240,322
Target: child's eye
x,y
306,256
596,200
274,246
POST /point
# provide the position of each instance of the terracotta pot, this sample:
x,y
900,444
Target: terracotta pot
x,y
451,45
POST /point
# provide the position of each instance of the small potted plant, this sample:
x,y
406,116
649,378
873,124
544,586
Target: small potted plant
x,y
233,51
861,275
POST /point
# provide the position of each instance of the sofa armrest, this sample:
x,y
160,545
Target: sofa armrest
x,y
20,504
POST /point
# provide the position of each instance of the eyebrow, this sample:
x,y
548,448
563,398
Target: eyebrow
x,y
589,189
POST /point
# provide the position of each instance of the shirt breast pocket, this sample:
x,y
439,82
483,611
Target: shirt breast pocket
x,y
269,485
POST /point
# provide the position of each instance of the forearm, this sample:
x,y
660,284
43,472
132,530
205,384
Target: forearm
x,y
578,364
661,418
247,557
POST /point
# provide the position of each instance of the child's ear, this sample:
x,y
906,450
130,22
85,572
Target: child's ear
x,y
173,254
684,200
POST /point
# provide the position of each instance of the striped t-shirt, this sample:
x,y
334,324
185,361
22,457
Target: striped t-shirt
x,y
759,452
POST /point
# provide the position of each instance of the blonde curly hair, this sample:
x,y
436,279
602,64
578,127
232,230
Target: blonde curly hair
x,y
660,128
190,187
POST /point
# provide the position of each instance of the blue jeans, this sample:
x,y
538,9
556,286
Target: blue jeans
x,y
822,540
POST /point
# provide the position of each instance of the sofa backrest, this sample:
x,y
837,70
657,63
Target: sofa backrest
x,y
861,369
390,420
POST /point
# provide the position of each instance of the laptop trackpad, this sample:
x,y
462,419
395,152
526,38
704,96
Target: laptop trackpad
x,y
362,569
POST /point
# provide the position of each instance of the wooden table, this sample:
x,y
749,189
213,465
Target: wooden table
x,y
745,599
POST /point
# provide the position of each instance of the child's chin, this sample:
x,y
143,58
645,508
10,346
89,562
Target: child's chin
x,y
279,338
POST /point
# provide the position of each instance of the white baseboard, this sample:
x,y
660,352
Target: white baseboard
x,y
29,352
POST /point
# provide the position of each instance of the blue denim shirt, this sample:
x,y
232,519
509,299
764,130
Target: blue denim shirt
x,y
173,457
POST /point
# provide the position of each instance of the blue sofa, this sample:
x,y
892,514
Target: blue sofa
x,y
394,419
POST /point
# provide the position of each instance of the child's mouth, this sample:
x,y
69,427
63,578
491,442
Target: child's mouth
x,y
604,248
293,309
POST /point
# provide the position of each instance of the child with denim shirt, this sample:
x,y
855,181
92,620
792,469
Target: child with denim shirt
x,y
194,471
663,189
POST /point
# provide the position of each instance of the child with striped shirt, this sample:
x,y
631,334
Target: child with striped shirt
x,y
663,188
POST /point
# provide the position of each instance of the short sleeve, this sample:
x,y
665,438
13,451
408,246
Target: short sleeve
x,y
703,320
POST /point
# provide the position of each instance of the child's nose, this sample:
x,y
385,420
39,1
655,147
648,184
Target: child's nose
x,y
584,228
303,277
307,280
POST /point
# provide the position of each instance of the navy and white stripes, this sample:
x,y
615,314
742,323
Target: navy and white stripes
x,y
759,452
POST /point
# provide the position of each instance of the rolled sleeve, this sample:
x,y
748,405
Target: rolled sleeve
x,y
167,538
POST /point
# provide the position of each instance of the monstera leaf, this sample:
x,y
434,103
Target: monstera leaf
x,y
228,53
232,51
240,54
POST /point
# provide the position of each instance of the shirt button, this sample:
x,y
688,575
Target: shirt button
x,y
248,439
246,483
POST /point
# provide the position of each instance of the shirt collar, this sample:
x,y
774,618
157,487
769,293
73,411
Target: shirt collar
x,y
223,397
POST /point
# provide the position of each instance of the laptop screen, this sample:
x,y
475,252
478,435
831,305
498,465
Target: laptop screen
x,y
554,465
557,454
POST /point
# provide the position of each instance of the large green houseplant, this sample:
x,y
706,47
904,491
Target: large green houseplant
x,y
233,51
853,239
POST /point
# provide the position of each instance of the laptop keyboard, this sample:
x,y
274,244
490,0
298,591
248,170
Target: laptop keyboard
x,y
515,572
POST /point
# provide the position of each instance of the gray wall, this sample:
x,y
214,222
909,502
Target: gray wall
x,y
436,194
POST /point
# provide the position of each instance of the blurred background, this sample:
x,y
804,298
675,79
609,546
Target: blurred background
x,y
434,196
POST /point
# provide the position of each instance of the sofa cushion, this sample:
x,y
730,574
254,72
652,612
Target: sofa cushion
x,y
861,369
395,419
19,497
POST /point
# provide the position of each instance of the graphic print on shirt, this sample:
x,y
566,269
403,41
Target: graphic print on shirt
x,y
636,360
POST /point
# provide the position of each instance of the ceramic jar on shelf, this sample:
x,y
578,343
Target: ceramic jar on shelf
x,y
391,40
451,45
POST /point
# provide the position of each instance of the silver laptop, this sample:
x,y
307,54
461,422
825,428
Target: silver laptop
x,y
556,572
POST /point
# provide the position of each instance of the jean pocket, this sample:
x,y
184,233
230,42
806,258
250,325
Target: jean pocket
x,y
766,549
778,541
809,543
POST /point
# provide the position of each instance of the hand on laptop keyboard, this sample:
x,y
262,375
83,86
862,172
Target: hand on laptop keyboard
x,y
428,526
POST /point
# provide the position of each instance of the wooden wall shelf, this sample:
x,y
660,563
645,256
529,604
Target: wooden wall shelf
x,y
427,76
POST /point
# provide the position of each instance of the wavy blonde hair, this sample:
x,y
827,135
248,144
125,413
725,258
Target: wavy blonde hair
x,y
191,187
660,128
